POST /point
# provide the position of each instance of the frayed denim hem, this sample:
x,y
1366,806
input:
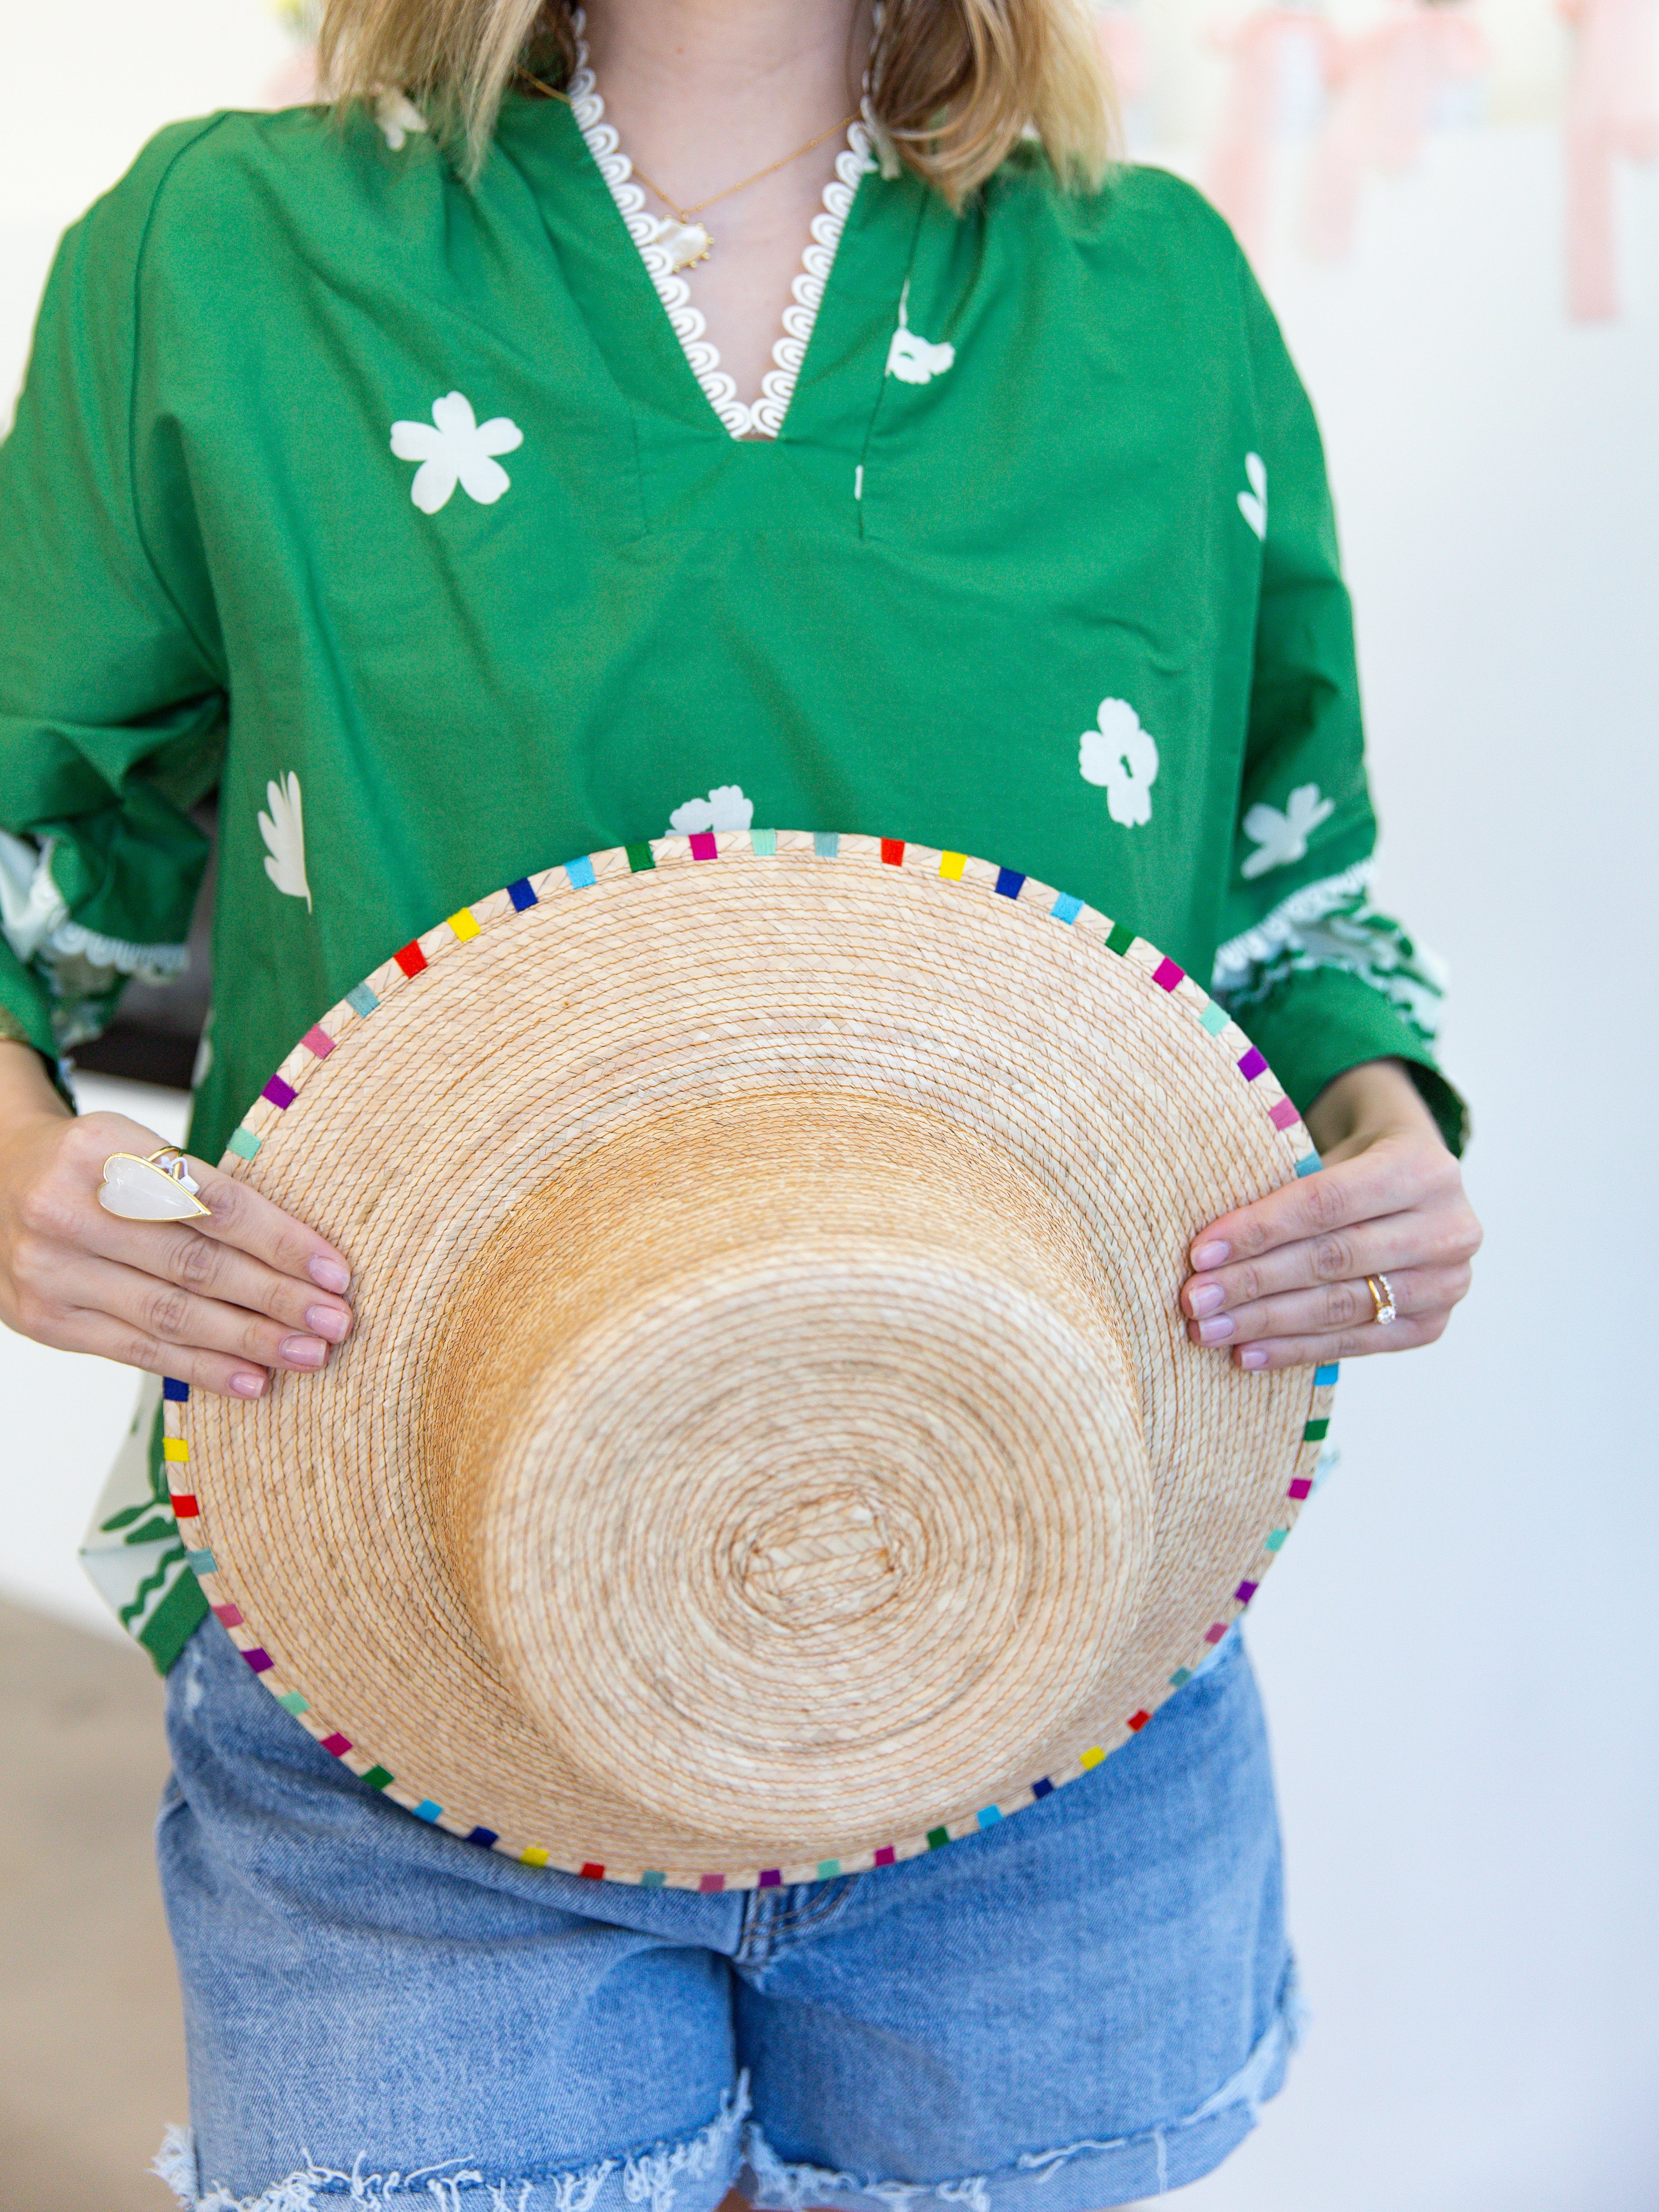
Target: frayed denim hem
x,y
692,2175
1079,2177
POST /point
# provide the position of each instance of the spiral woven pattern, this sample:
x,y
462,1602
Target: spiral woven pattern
x,y
769,1445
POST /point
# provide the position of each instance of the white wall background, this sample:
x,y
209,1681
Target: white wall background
x,y
1456,1653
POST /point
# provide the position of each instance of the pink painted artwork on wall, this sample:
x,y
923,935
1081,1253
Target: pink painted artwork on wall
x,y
1284,61
1611,112
1392,85
1122,38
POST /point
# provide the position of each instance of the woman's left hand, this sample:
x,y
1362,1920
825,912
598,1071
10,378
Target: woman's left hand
x,y
1282,1283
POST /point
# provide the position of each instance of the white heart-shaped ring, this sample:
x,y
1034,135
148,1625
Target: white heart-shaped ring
x,y
143,1190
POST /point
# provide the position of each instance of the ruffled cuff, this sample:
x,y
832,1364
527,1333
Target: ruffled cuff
x,y
60,980
1324,983
1316,1023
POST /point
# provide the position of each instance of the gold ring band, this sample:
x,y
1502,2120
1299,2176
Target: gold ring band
x,y
1381,1292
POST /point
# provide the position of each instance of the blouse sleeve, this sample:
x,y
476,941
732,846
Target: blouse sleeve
x,y
1320,979
112,695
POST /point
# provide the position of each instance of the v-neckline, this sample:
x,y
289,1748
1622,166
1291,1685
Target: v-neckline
x,y
743,420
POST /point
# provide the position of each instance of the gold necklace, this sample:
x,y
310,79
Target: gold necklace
x,y
691,243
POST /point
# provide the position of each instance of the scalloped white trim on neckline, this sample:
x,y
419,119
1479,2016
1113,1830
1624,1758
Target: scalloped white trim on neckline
x,y
762,417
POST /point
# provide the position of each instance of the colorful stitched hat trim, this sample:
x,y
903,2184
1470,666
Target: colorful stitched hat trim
x,y
769,1447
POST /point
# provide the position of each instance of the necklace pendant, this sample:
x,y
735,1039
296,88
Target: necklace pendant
x,y
685,243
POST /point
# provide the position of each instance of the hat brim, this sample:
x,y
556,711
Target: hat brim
x,y
507,1044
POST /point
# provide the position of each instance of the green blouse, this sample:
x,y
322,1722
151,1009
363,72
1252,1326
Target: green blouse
x,y
410,515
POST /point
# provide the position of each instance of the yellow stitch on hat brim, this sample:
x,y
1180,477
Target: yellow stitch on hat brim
x,y
464,924
951,866
174,1448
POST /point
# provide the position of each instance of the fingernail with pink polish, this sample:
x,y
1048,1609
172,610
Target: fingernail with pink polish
x,y
1217,1331
1206,1299
1212,1255
303,1350
1254,1359
330,1275
246,1386
328,1321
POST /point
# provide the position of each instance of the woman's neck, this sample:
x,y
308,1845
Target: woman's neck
x,y
705,94
704,91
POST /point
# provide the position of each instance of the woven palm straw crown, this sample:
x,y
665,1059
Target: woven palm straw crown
x,y
769,1446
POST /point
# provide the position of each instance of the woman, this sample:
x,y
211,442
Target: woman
x,y
454,499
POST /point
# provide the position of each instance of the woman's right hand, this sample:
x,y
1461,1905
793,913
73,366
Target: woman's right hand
x,y
219,1303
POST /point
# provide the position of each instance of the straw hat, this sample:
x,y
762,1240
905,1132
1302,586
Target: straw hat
x,y
769,1446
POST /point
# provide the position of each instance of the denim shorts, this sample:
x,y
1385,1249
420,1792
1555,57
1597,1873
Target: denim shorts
x,y
1077,2007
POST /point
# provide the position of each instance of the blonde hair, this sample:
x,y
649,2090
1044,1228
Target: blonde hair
x,y
954,84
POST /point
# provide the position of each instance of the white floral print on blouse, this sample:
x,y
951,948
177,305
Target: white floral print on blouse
x,y
912,359
1123,757
724,808
1280,838
1252,504
284,832
453,448
398,118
